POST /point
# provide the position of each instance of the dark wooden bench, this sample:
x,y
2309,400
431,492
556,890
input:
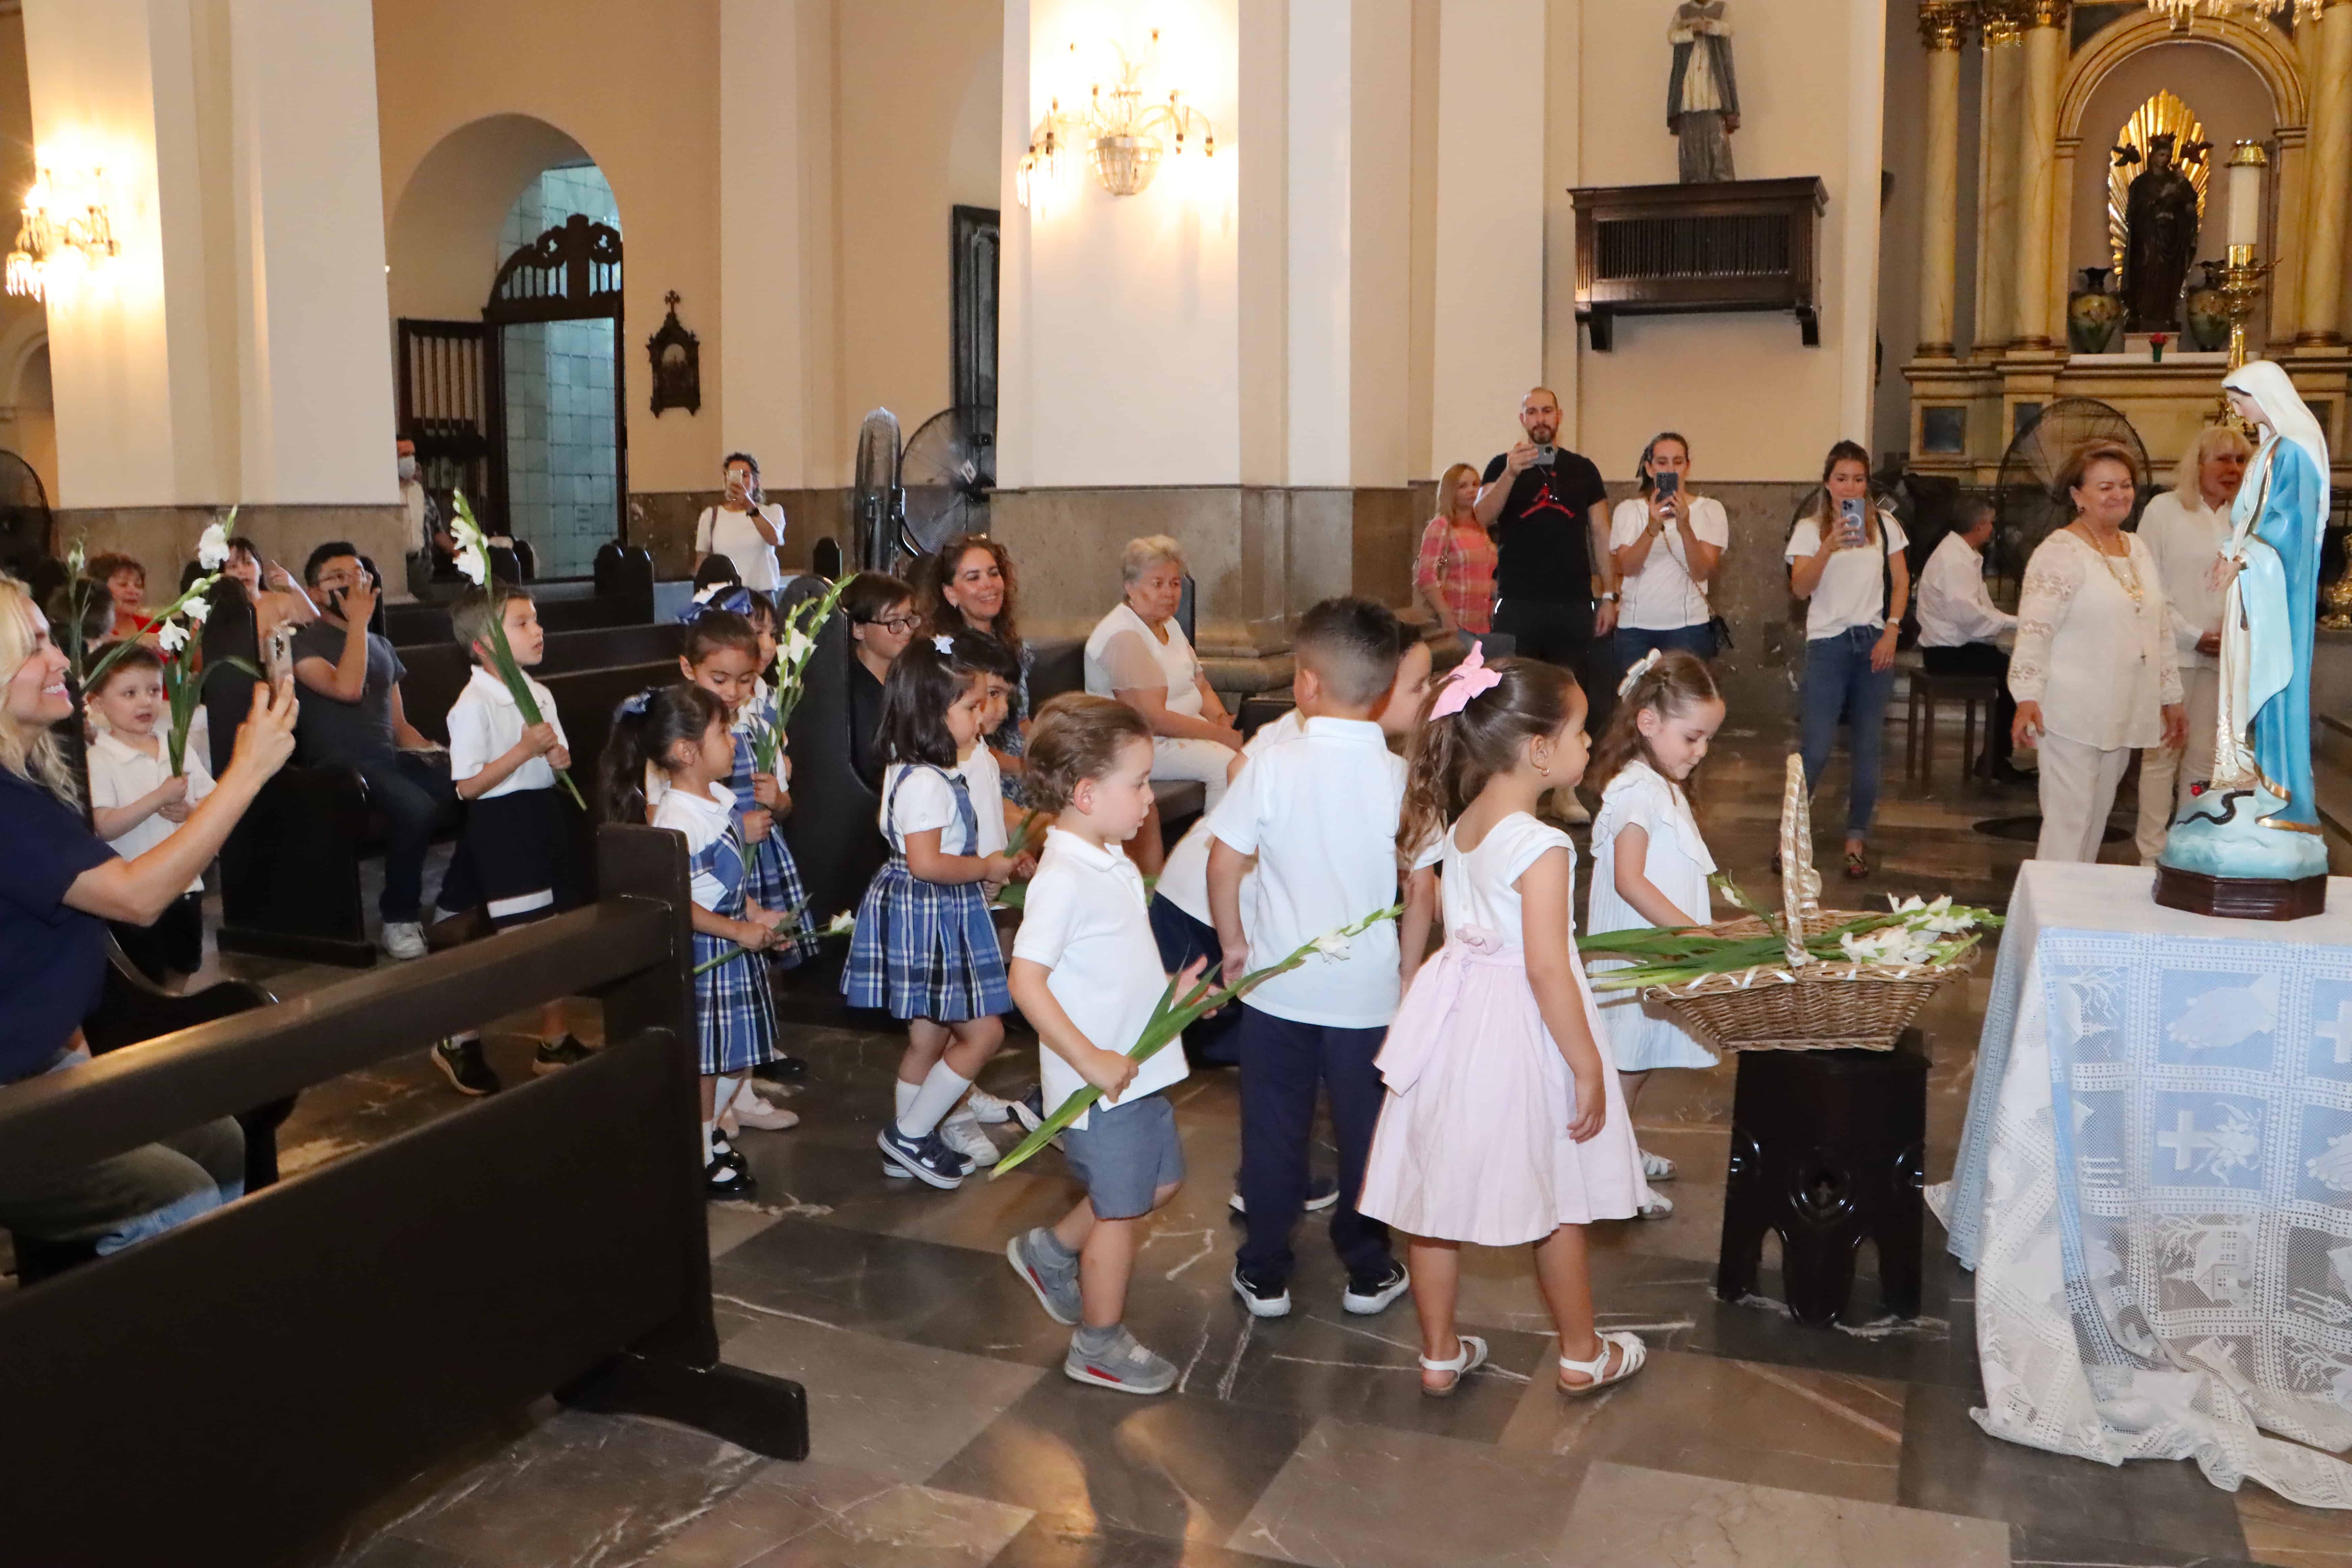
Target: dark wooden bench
x,y
437,672
1059,665
553,1237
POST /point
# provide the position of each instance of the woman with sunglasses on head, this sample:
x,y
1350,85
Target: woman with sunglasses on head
x,y
1667,543
745,527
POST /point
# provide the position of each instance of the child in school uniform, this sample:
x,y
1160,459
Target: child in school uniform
x,y
679,737
1504,1124
1319,812
924,947
136,803
518,831
997,819
1650,866
1086,973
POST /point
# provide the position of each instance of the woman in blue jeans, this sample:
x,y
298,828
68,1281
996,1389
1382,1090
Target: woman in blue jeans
x,y
1845,561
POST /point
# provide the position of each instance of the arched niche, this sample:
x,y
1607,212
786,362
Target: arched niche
x,y
2266,50
443,241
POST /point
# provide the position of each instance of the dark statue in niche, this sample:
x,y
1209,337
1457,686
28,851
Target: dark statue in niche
x,y
677,356
2159,235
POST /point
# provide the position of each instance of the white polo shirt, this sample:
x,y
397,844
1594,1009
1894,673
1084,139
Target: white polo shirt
x,y
120,773
1320,813
1085,923
703,819
1184,879
485,723
984,779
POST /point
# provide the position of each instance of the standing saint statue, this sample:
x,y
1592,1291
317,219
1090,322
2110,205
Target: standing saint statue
x,y
2258,821
1702,95
2159,235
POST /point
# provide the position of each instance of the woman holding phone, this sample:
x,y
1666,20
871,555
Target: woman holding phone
x,y
1667,543
1845,561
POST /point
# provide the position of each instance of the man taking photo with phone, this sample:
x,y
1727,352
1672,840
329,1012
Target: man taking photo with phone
x,y
352,717
1548,513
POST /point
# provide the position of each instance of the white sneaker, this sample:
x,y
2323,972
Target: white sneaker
x,y
963,1135
1654,1206
403,939
1657,1167
982,1106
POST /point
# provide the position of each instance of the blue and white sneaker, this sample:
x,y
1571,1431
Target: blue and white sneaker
x,y
926,1158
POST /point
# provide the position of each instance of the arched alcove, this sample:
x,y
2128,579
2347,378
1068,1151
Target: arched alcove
x,y
441,243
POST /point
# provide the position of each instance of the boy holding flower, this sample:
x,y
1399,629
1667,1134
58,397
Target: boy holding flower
x,y
1086,972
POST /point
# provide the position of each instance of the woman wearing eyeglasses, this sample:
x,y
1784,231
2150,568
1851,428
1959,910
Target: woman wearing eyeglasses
x,y
882,622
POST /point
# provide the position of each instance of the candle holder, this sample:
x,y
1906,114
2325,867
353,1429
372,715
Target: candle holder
x,y
2243,280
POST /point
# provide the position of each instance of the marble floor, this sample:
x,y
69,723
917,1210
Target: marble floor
x,y
944,1433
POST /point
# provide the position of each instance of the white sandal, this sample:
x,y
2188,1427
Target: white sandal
x,y
1632,1352
1656,1167
1468,1360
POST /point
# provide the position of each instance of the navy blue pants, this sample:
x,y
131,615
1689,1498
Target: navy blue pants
x,y
1282,1064
1183,939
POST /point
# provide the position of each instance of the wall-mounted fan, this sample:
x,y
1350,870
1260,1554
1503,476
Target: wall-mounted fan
x,y
2029,503
948,473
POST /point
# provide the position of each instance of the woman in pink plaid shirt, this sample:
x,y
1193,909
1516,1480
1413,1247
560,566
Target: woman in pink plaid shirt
x,y
1455,573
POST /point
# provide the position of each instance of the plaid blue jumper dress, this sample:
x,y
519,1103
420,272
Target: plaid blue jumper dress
x,y
926,949
734,1018
771,879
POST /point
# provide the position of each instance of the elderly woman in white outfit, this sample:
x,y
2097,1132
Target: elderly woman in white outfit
x,y
2093,671
2184,529
746,528
1137,654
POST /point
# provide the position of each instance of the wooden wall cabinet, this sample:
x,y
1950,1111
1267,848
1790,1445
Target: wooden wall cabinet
x,y
1741,244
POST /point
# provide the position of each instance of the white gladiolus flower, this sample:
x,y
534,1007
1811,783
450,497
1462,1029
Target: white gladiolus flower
x,y
797,647
1332,945
197,608
212,549
474,565
841,924
172,637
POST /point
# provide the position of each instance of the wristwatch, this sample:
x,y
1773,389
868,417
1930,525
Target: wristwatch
x,y
1608,595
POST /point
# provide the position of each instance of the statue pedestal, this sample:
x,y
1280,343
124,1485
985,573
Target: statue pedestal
x,y
2220,858
2240,897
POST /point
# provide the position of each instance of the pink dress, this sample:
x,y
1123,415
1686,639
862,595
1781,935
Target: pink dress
x,y
1473,1142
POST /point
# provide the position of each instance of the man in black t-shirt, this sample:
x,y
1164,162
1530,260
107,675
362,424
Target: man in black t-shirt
x,y
1550,523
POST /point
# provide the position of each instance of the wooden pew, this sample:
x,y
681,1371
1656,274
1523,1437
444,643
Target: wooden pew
x,y
834,830
258,1373
437,672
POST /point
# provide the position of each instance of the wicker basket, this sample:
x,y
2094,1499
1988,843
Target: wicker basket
x,y
1807,1004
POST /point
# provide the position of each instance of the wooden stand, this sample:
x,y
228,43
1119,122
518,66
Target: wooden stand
x,y
2240,897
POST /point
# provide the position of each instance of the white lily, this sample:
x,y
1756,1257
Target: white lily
x,y
841,924
474,565
1332,944
797,647
212,549
197,609
172,637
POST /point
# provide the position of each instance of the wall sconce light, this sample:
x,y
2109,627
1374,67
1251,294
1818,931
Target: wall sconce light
x,y
1125,137
60,218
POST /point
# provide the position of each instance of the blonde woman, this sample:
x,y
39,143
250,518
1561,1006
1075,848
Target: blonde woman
x,y
1454,572
60,884
2184,530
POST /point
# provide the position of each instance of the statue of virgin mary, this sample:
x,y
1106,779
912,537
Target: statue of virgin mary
x,y
2258,820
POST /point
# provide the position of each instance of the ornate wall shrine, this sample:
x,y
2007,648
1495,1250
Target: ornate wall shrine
x,y
2147,175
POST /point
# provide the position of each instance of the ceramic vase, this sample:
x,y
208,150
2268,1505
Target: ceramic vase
x,y
2207,312
2093,315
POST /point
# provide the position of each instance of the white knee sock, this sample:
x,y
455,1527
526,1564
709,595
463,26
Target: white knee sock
x,y
709,1127
724,1094
934,1101
906,1093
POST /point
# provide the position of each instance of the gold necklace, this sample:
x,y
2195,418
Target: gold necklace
x,y
2127,579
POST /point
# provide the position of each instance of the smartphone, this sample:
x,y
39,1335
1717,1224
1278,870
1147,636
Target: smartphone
x,y
1667,485
1544,456
1850,521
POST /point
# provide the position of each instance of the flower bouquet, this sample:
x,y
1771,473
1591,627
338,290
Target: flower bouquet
x,y
1169,1018
1808,980
176,627
793,924
473,561
796,633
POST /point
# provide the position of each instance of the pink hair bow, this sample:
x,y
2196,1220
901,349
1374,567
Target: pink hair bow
x,y
1467,681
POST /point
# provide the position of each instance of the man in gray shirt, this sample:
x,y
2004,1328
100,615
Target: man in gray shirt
x,y
352,717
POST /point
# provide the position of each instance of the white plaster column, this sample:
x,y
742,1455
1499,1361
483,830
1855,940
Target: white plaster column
x,y
234,350
1942,29
762,280
1487,289
2328,185
1996,312
2037,204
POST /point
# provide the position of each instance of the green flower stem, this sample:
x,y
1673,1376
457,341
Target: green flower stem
x,y
791,925
472,539
1168,1020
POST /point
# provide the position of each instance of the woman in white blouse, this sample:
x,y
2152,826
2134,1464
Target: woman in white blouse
x,y
746,528
1667,543
1137,654
2093,671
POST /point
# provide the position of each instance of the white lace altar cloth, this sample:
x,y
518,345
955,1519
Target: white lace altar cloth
x,y
2165,1270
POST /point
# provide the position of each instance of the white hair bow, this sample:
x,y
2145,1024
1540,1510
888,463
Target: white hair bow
x,y
1641,667
944,643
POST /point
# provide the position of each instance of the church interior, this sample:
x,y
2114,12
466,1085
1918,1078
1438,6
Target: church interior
x,y
2055,1262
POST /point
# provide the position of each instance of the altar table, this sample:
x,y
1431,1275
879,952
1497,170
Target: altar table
x,y
2164,1270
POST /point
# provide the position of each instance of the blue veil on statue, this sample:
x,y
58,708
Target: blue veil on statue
x,y
2258,822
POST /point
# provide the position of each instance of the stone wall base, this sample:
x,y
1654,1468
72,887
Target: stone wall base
x,y
663,521
164,538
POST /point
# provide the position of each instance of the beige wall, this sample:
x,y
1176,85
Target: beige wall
x,y
27,426
2220,88
1757,403
635,86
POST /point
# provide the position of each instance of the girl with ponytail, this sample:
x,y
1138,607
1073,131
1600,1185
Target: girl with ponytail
x,y
1504,1124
